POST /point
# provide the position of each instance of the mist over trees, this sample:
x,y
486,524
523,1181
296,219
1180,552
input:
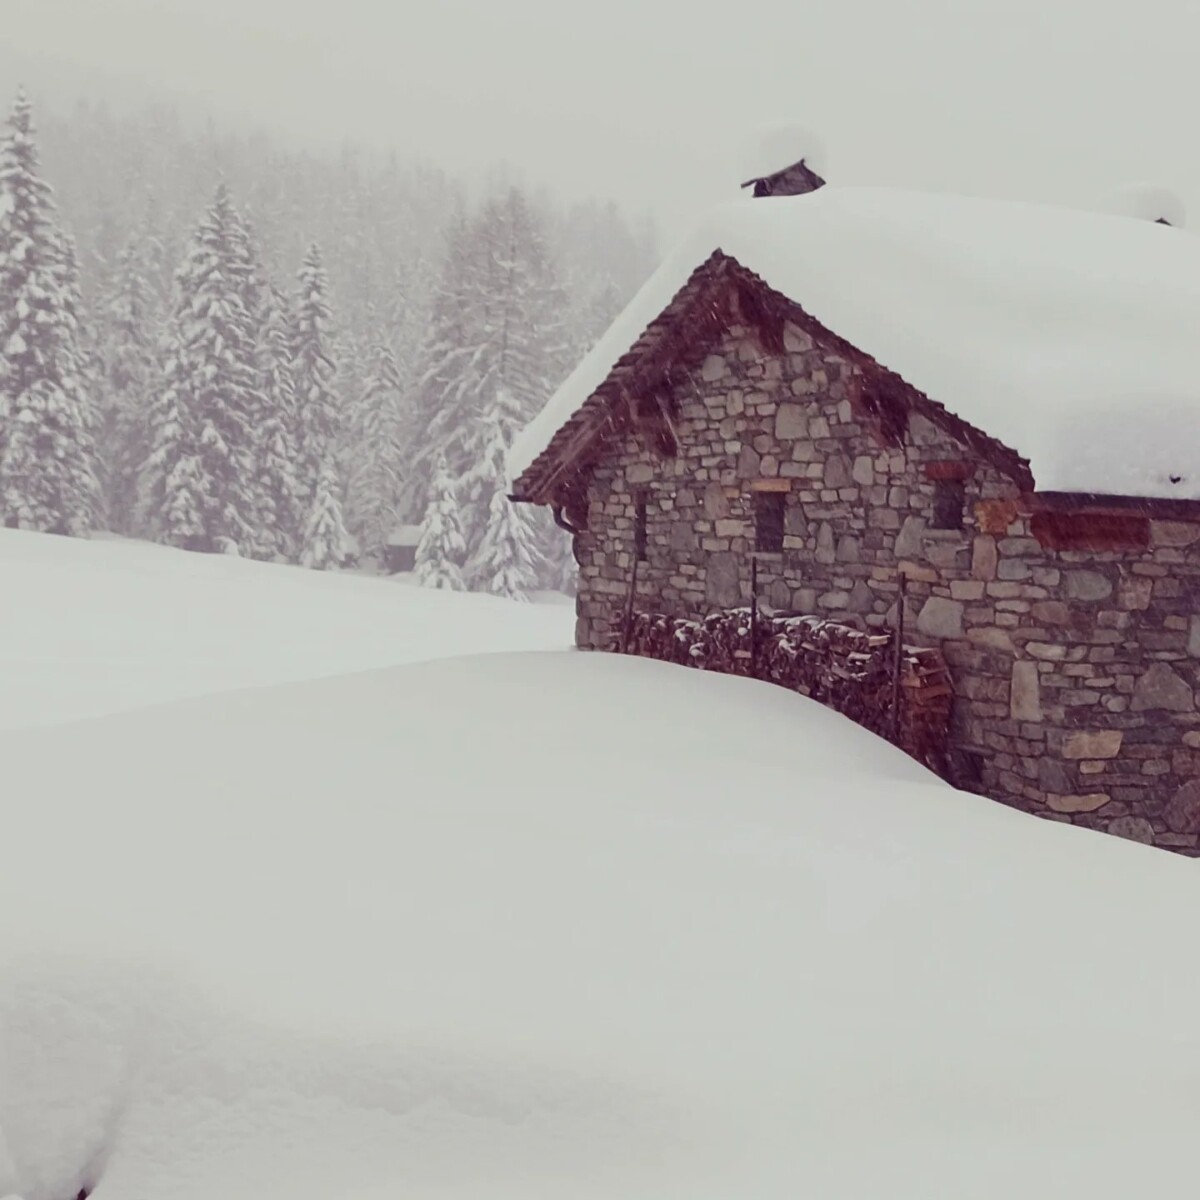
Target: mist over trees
x,y
255,350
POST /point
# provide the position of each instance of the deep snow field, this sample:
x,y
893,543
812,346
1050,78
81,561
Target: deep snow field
x,y
532,924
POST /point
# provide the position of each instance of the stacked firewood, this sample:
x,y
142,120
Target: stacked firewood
x,y
850,670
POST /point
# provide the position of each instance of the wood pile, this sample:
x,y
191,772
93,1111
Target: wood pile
x,y
847,669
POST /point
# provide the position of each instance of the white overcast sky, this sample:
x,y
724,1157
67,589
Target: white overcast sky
x,y
652,101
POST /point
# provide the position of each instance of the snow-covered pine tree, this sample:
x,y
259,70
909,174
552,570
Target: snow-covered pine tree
x,y
283,504
508,559
199,484
314,374
448,381
374,492
325,542
441,550
48,470
129,330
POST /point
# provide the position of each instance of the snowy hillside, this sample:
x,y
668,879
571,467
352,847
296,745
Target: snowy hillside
x,y
96,627
535,924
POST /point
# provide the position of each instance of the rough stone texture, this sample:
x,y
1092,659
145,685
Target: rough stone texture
x,y
1160,687
1093,743
1025,694
1076,671
1182,813
941,618
1135,829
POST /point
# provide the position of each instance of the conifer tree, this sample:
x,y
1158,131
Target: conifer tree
x,y
282,512
507,560
375,484
129,332
325,543
314,373
199,485
441,550
48,477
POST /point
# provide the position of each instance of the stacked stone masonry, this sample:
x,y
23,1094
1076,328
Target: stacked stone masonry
x,y
1076,672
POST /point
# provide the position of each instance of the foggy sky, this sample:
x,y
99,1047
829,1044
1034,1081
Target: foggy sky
x,y
653,101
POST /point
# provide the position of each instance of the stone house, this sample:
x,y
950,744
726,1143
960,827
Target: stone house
x,y
794,390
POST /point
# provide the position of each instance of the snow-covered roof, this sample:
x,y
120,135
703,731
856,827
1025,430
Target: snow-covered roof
x,y
404,535
1071,337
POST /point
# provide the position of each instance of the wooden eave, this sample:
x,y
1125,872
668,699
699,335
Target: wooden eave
x,y
719,292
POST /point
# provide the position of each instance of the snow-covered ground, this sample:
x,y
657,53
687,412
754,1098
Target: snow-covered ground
x,y
88,628
540,924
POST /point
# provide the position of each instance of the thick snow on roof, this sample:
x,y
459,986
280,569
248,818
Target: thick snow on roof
x,y
1072,337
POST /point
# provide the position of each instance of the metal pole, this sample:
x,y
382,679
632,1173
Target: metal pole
x,y
627,626
898,658
753,617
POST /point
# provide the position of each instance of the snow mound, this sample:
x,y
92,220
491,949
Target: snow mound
x,y
1148,202
158,624
1057,332
779,146
550,924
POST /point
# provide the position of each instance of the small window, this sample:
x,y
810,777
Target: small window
x,y
639,529
949,500
768,522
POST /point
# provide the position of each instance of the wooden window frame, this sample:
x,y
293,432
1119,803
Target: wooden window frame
x,y
770,520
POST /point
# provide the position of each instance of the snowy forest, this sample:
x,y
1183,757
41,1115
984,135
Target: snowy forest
x,y
222,344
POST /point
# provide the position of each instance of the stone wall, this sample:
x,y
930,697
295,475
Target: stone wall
x,y
1076,672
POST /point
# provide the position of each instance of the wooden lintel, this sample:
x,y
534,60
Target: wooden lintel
x,y
948,470
771,485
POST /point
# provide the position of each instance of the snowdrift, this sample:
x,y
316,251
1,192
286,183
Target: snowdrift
x,y
533,924
571,924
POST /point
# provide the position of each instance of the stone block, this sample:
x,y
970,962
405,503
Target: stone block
x,y
1093,743
1051,612
966,589
1077,804
941,618
825,552
791,422
1161,688
1174,534
1133,829
1025,697
991,637
1046,651
716,503
984,558
730,528
1088,585
1182,813
848,549
713,368
837,471
722,584
1194,636
1134,591
639,473
748,463
863,471
909,541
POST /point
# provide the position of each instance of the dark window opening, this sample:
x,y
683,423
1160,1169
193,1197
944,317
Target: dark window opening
x,y
949,500
639,529
768,522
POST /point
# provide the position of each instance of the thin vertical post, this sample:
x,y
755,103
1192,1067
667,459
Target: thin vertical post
x,y
753,616
898,657
627,624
